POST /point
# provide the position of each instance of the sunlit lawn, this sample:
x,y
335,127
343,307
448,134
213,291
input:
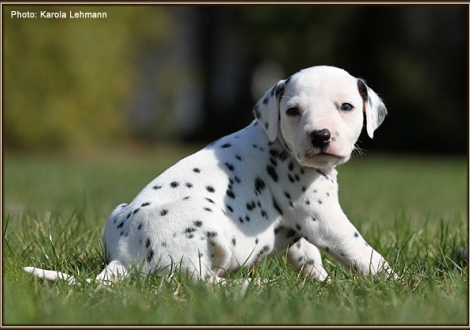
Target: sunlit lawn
x,y
412,210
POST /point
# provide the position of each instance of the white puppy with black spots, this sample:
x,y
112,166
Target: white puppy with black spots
x,y
265,189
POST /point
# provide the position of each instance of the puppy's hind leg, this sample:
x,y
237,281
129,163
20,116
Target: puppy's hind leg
x,y
113,272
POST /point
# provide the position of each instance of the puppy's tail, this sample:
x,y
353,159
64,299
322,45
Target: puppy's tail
x,y
113,272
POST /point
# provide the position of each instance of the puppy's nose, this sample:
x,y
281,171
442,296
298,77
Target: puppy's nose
x,y
320,138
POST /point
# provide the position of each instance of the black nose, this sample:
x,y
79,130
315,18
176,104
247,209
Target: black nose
x,y
320,138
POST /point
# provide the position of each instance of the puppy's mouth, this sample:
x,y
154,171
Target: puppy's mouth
x,y
316,152
320,158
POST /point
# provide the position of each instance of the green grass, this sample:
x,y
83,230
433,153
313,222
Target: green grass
x,y
412,210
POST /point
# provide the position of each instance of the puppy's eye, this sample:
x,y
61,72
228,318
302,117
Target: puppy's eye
x,y
347,107
293,112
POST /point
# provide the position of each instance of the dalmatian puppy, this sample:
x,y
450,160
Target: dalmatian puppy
x,y
269,188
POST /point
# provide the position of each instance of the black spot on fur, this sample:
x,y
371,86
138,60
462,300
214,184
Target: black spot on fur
x,y
150,255
189,232
356,234
210,189
174,184
120,225
265,100
274,153
157,187
163,212
238,157
290,166
280,89
283,155
276,206
198,223
234,242
139,227
147,243
230,194
135,211
207,209
196,170
298,227
277,230
145,204
211,234
250,206
189,185
259,185
229,208
291,179
229,166
256,241
272,172
263,250
210,200
226,145
291,233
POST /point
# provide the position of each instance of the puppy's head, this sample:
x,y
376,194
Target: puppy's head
x,y
318,114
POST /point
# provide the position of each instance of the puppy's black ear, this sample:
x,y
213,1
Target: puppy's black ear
x,y
267,110
374,108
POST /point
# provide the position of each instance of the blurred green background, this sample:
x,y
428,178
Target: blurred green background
x,y
152,73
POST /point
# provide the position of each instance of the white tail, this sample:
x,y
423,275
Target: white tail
x,y
113,272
